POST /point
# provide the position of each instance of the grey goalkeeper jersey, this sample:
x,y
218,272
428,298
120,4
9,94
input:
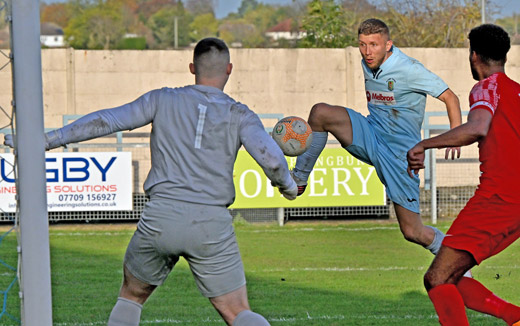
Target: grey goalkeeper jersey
x,y
196,133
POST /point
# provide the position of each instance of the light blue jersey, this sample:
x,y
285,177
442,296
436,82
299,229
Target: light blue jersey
x,y
396,96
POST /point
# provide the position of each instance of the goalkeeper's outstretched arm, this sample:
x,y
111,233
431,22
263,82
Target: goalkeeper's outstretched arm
x,y
100,123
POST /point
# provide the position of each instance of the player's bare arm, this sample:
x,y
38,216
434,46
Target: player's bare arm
x,y
465,134
453,108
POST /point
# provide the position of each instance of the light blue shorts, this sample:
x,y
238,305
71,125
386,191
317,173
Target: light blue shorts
x,y
369,147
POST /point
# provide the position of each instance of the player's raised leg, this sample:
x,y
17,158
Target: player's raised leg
x,y
234,309
323,118
415,231
132,296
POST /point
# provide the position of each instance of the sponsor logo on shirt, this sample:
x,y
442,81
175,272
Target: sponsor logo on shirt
x,y
385,98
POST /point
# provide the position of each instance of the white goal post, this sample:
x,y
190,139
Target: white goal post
x,y
35,278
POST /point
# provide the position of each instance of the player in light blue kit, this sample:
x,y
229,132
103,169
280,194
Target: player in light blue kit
x,y
396,88
197,132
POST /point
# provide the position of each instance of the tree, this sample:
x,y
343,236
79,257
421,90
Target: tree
x,y
162,25
96,27
411,22
248,27
202,26
249,30
137,34
128,9
239,31
263,17
147,8
326,25
200,7
58,13
247,5
359,6
512,26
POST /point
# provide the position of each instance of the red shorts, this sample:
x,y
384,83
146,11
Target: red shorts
x,y
485,227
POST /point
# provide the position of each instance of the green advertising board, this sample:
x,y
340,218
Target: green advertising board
x,y
338,179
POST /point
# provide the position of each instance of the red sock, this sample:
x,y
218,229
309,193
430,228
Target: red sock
x,y
477,297
449,305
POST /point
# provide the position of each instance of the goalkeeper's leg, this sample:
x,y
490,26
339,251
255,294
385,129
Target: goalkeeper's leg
x,y
234,309
249,318
125,313
133,294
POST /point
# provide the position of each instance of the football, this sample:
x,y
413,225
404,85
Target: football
x,y
293,135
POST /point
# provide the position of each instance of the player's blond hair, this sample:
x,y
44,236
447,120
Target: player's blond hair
x,y
373,26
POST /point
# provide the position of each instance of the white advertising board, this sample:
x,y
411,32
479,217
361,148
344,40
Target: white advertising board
x,y
94,181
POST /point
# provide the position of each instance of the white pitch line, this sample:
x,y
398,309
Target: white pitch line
x,y
501,267
280,230
360,269
282,319
340,228
118,233
337,269
76,234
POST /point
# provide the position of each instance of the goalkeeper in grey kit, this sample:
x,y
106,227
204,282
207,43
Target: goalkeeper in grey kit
x,y
197,131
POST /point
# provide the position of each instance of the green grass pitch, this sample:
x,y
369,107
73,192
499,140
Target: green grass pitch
x,y
330,274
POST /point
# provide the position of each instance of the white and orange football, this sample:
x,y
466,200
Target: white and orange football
x,y
293,135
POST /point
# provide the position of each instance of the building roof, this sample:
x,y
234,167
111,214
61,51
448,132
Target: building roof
x,y
50,29
283,26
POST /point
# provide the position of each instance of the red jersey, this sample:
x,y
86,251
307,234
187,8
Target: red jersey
x,y
499,151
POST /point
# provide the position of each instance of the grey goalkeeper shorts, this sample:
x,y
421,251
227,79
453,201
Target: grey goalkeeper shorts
x,y
202,234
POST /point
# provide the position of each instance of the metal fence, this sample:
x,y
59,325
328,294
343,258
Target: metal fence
x,y
134,143
446,184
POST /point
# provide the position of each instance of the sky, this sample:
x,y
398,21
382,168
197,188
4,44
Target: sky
x,y
225,7
508,7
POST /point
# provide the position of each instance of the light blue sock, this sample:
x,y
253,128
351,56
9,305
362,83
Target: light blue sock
x,y
249,318
437,240
125,313
305,162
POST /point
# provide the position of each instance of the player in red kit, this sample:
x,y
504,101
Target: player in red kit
x,y
490,221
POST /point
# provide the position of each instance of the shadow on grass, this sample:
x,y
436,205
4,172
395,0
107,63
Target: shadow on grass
x,y
87,274
87,297
85,289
